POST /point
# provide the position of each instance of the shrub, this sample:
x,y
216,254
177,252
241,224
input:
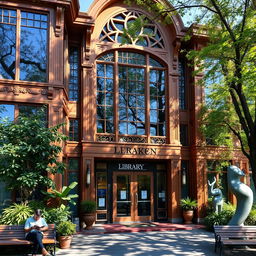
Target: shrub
x,y
57,215
251,219
16,214
88,206
221,218
66,228
188,204
34,204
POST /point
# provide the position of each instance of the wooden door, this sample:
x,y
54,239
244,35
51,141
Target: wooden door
x,y
133,196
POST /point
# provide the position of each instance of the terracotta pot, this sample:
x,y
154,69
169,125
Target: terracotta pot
x,y
65,241
88,219
188,216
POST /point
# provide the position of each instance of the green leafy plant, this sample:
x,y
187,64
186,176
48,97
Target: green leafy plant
x,y
251,219
187,204
88,206
29,151
66,228
63,195
16,214
57,215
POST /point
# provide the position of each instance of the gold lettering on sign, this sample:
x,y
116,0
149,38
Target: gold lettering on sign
x,y
134,151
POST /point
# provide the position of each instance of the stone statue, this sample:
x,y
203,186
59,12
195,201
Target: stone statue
x,y
217,201
243,194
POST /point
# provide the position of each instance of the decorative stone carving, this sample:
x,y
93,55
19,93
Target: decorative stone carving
x,y
217,197
105,138
58,22
158,140
132,139
243,194
176,50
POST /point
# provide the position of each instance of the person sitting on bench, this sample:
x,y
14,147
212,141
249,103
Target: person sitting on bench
x,y
34,228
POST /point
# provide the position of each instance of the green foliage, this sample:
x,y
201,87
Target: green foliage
x,y
88,206
188,204
34,204
251,219
63,195
66,228
28,152
16,214
225,216
57,215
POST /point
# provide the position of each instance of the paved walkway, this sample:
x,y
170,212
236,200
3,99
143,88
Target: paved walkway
x,y
157,243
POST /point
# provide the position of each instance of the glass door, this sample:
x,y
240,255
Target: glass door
x,y
122,199
132,196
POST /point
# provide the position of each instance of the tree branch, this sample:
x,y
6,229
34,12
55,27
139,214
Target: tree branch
x,y
239,113
238,135
244,16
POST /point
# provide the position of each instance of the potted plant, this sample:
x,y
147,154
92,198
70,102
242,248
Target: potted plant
x,y
65,231
88,210
188,206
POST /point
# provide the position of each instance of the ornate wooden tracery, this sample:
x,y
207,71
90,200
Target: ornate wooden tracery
x,y
149,35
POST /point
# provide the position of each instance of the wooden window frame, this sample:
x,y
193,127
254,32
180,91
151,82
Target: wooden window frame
x,y
18,10
147,138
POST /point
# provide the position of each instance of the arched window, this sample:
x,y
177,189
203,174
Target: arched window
x,y
149,35
131,98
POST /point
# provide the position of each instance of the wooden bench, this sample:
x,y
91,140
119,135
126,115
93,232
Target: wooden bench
x,y
15,235
234,236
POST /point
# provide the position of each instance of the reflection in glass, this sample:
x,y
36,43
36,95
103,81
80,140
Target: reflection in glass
x,y
101,187
8,43
157,103
73,176
73,129
123,195
131,99
73,92
7,112
5,196
143,197
105,98
33,47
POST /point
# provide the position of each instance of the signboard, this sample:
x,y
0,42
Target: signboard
x,y
123,194
144,194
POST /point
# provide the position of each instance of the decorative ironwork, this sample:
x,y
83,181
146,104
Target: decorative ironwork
x,y
132,139
158,140
148,36
105,138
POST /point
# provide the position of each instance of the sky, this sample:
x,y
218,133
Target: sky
x,y
84,5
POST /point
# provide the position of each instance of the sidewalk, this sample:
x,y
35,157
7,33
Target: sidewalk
x,y
191,240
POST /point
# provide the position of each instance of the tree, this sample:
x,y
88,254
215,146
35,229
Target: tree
x,y
228,60
29,153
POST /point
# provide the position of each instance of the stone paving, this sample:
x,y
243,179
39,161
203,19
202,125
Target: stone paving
x,y
157,243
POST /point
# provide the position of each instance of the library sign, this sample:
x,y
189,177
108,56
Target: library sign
x,y
134,151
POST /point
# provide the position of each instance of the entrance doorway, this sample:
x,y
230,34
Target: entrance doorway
x,y
133,196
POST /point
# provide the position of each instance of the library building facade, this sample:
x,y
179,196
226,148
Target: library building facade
x,y
131,106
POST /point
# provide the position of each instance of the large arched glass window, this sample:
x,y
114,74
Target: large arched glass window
x,y
131,98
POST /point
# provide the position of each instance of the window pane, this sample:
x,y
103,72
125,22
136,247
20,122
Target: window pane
x,y
7,111
73,164
73,176
105,98
33,51
7,46
182,85
74,129
74,74
5,196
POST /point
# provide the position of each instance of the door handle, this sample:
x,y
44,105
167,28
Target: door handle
x,y
136,198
